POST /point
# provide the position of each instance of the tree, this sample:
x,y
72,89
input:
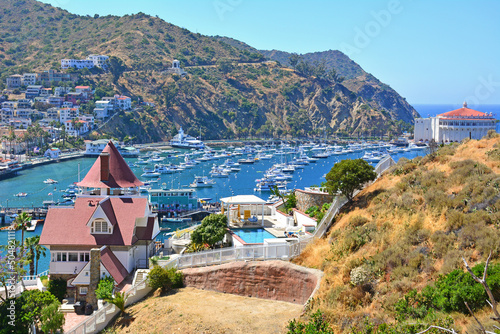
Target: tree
x,y
22,222
211,231
29,245
119,300
225,65
39,251
294,59
348,175
105,288
116,67
28,309
51,319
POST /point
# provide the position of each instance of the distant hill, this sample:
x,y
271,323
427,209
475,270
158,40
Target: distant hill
x,y
230,90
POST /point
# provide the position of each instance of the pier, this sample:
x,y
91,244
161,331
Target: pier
x,y
34,212
40,162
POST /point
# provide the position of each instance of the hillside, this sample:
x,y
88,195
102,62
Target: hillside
x,y
230,90
409,231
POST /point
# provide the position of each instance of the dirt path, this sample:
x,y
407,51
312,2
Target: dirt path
x,y
197,311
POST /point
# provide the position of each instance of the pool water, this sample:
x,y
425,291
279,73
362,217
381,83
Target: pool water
x,y
253,235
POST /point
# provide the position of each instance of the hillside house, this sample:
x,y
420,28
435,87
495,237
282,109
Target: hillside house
x,y
109,231
13,81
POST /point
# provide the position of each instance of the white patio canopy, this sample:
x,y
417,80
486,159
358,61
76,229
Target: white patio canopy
x,y
243,200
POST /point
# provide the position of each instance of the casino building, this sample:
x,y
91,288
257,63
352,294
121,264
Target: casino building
x,y
453,126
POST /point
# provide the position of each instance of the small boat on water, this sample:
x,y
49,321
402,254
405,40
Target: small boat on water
x,y
201,182
50,181
176,219
150,174
21,194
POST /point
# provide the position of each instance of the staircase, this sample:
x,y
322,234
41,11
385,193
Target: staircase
x,y
140,275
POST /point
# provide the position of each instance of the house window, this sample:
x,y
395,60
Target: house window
x,y
73,257
83,290
100,226
84,257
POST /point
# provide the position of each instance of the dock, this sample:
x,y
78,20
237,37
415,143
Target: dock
x,y
36,213
40,162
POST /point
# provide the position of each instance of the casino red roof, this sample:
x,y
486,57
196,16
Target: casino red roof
x,y
464,112
120,174
68,225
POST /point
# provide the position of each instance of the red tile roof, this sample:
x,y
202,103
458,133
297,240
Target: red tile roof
x,y
120,174
464,112
114,267
68,225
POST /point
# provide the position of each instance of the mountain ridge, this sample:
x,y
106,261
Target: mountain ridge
x,y
229,92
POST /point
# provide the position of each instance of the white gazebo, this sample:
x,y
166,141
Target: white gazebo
x,y
251,200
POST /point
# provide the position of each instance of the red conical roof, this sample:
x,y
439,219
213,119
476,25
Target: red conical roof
x,y
120,175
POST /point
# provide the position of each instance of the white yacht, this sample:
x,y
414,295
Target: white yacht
x,y
201,182
183,140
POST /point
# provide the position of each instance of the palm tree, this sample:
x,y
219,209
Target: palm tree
x,y
119,301
29,245
22,222
39,251
34,251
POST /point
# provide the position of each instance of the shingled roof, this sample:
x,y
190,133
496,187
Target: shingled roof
x,y
110,171
68,225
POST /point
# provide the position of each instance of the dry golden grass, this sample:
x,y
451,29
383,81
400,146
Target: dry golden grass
x,y
392,224
191,310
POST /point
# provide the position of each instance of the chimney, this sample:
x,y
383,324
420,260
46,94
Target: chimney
x,y
104,166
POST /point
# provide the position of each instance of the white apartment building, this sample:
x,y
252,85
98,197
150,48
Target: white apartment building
x,y
90,62
29,79
76,63
61,91
68,114
103,109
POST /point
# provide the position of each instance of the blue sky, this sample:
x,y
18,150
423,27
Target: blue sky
x,y
430,51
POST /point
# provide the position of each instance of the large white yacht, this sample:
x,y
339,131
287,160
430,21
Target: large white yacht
x,y
183,140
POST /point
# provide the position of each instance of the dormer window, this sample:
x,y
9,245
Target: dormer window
x,y
100,226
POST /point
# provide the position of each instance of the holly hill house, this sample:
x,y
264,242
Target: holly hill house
x,y
109,231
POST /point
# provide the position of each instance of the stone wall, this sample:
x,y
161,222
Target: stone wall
x,y
275,280
306,199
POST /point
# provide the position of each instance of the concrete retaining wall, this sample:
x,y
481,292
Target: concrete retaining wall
x,y
275,280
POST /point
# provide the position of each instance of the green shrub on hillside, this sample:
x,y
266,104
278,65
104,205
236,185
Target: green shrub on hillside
x,y
449,294
164,278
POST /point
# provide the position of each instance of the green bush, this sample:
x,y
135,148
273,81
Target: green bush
x,y
105,288
356,221
57,287
315,325
450,292
165,278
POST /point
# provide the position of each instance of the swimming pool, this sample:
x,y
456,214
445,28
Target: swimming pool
x,y
253,235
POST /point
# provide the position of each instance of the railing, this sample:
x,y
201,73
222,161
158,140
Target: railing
x,y
100,319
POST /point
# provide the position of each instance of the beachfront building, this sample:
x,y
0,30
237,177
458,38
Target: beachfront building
x,y
453,126
109,231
